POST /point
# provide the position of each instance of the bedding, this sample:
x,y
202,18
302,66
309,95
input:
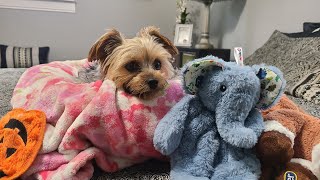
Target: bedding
x,y
310,26
297,58
310,29
308,87
307,106
87,121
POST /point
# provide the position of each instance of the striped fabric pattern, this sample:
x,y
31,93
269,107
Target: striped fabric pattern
x,y
22,57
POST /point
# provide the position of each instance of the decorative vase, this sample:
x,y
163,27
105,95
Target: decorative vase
x,y
204,38
204,42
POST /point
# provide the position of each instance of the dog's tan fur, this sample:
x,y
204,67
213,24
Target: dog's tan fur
x,y
114,53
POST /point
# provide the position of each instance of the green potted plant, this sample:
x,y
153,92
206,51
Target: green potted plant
x,y
182,12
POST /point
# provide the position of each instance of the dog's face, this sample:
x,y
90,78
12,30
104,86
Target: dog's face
x,y
140,66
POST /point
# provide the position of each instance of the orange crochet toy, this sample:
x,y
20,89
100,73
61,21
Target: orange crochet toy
x,y
290,143
21,135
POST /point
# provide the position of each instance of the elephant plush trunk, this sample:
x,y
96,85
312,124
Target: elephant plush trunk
x,y
232,112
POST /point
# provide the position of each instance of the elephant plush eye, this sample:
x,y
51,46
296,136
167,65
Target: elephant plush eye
x,y
223,88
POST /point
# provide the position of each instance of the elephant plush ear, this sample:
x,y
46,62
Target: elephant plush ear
x,y
194,72
272,86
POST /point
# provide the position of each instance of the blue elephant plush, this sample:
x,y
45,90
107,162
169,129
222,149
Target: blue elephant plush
x,y
210,133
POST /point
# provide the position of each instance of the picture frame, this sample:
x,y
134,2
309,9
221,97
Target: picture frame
x,y
183,35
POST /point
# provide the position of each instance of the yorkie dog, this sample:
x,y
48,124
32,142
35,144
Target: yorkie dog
x,y
140,66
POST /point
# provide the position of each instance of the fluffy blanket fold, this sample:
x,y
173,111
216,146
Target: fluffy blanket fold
x,y
87,121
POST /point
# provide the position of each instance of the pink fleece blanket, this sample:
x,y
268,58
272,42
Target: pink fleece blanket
x,y
87,121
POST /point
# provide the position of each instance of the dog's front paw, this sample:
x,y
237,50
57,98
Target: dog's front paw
x,y
274,148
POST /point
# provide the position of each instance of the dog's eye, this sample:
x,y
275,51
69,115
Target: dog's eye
x,y
157,64
133,66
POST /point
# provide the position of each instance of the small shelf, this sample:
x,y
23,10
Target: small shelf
x,y
189,53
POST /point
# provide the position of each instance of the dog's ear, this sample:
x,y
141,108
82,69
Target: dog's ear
x,y
155,32
104,46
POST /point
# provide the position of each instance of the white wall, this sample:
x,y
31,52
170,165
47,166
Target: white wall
x,y
249,23
264,16
71,35
246,23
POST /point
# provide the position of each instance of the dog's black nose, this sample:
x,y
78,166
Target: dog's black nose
x,y
153,84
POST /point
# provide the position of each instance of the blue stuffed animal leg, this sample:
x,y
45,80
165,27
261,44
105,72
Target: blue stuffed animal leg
x,y
240,170
206,152
180,175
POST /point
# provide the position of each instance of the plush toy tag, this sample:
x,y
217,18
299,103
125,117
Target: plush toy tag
x,y
238,55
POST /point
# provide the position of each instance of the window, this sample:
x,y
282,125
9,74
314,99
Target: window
x,y
41,5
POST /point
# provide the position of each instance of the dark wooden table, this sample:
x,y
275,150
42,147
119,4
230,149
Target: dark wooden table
x,y
189,53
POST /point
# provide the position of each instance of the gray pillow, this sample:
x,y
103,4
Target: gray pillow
x,y
22,57
295,57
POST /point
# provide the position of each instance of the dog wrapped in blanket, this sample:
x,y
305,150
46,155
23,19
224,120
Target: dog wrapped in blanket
x,y
100,108
87,121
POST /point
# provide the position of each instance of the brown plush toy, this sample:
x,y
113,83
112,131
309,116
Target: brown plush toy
x,y
290,143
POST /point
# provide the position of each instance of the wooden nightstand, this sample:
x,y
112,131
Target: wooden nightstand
x,y
189,53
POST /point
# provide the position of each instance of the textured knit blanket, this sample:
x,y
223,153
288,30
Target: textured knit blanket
x,y
87,121
308,88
